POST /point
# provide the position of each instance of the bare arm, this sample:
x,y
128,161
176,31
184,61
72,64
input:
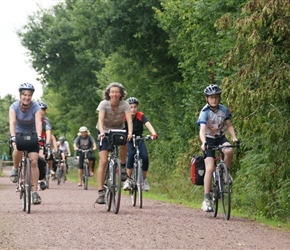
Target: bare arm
x,y
150,128
202,136
12,122
231,130
38,123
101,123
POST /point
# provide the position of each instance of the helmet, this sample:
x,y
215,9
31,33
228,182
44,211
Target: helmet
x,y
62,139
212,90
26,86
42,105
132,100
83,129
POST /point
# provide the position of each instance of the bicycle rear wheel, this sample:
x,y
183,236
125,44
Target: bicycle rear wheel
x,y
64,173
139,183
117,185
58,173
28,186
107,187
226,191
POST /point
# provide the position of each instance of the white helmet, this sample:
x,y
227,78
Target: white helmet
x,y
83,129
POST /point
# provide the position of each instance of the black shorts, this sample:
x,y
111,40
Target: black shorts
x,y
214,142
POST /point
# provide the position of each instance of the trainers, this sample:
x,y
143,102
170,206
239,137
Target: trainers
x,y
124,173
36,198
145,185
206,206
52,172
14,175
127,184
42,185
101,198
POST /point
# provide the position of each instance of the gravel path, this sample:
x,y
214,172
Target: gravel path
x,y
67,219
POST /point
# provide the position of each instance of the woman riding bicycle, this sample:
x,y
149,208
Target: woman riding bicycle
x,y
212,121
84,141
25,116
111,116
139,119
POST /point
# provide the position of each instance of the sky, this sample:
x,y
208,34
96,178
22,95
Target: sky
x,y
14,63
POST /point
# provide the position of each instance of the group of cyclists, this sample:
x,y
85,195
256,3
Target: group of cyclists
x,y
116,113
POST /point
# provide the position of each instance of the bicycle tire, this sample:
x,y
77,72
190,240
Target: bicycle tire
x,y
47,175
133,191
21,188
139,183
28,186
107,187
226,191
86,175
117,185
64,173
215,198
58,173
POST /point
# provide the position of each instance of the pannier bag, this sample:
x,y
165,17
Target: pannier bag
x,y
41,167
117,136
197,170
26,141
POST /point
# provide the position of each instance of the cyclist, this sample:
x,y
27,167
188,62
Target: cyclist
x,y
213,119
111,116
46,135
64,150
138,120
25,115
84,141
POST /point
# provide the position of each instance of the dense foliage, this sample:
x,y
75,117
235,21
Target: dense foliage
x,y
165,53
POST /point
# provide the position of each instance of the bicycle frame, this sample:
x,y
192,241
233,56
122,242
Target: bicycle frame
x,y
85,177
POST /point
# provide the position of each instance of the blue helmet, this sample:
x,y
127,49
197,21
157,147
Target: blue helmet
x,y
26,86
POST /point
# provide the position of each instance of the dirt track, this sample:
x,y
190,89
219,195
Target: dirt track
x,y
67,219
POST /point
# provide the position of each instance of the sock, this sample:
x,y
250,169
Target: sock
x,y
206,196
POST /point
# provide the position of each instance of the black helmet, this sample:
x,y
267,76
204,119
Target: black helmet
x,y
212,90
62,139
42,105
26,86
132,100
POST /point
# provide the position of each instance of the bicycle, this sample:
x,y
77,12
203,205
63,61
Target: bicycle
x,y
113,172
138,178
60,173
47,153
86,174
221,183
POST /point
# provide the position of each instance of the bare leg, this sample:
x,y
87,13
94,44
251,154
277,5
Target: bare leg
x,y
101,169
34,170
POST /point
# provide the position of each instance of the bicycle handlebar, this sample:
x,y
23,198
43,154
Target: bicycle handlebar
x,y
220,147
139,139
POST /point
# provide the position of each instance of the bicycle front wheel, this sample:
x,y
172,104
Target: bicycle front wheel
x,y
139,183
215,197
21,186
86,175
47,175
226,191
107,188
117,185
133,190
28,186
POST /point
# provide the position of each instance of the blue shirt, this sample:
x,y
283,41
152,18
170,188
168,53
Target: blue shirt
x,y
25,121
214,120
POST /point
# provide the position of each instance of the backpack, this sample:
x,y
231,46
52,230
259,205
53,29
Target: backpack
x,y
197,170
41,167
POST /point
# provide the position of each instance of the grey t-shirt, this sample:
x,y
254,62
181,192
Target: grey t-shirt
x,y
25,121
113,119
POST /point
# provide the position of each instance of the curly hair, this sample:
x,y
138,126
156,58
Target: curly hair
x,y
115,84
